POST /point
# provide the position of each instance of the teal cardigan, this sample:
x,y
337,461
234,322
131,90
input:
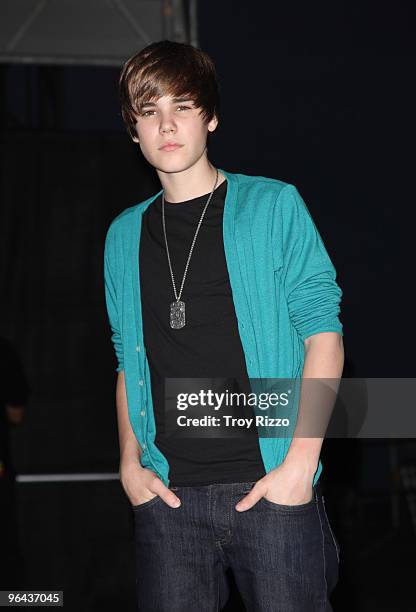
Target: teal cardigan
x,y
283,288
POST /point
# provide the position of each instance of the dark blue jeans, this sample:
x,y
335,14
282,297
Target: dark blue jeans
x,y
283,558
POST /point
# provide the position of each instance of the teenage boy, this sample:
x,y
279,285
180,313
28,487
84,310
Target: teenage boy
x,y
217,275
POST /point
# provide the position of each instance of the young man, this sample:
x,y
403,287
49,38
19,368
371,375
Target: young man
x,y
221,276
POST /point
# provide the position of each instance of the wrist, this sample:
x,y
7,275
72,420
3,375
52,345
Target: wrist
x,y
128,460
301,463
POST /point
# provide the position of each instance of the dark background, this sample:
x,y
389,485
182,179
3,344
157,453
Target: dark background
x,y
318,95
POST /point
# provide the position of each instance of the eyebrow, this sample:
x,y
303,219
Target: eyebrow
x,y
174,101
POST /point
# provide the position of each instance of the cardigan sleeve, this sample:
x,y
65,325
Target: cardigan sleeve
x,y
111,300
312,293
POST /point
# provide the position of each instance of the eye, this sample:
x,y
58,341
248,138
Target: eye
x,y
184,107
146,113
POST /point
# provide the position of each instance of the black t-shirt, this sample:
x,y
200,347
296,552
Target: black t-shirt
x,y
208,346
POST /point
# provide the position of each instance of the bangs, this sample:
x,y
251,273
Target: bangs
x,y
152,86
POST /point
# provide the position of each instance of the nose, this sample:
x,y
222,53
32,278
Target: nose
x,y
167,124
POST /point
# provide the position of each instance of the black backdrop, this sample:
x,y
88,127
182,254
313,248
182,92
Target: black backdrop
x,y
59,193
321,97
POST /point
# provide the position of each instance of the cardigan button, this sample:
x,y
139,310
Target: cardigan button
x,y
141,382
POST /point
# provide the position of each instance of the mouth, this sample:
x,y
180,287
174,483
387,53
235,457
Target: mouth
x,y
170,147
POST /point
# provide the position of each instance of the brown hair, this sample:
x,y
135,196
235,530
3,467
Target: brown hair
x,y
168,68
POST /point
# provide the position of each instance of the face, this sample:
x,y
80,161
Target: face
x,y
175,122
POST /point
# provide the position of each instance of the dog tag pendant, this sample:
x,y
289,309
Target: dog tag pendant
x,y
177,314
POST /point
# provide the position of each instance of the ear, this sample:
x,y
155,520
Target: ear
x,y
135,137
213,124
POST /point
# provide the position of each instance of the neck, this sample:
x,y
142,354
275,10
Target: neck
x,y
190,183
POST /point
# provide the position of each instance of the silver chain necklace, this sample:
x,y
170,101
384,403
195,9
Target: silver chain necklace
x,y
177,308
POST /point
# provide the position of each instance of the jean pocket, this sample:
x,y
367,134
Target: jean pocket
x,y
294,508
146,504
334,539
